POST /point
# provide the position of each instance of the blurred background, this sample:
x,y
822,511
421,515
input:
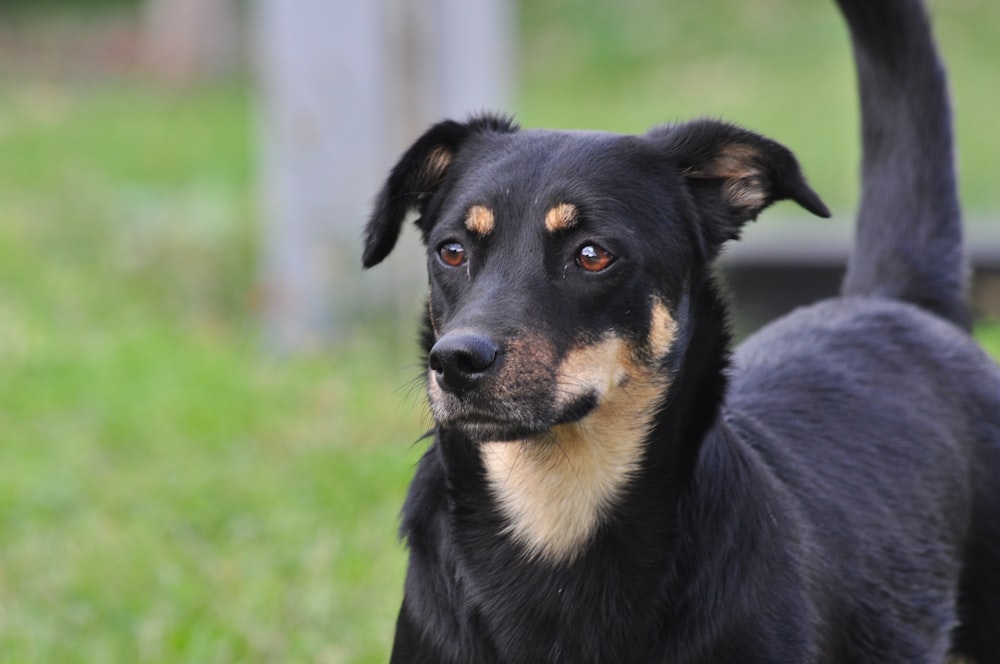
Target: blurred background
x,y
208,413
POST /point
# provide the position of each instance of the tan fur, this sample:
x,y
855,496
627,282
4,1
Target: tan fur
x,y
561,217
555,489
662,329
745,193
736,164
437,163
480,220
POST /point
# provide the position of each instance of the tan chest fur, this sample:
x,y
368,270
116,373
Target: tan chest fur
x,y
556,489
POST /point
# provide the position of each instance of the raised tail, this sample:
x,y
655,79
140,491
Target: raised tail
x,y
908,242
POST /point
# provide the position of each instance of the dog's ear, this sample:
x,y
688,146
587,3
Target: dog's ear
x,y
416,178
733,174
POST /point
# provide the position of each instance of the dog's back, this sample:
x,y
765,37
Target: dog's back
x,y
916,465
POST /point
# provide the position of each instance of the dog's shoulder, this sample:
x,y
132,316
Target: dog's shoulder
x,y
427,628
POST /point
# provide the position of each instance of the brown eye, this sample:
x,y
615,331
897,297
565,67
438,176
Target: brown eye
x,y
452,254
594,258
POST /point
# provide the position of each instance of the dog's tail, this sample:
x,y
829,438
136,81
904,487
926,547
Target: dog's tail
x,y
908,243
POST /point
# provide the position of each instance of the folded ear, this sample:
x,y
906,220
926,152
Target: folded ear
x,y
417,177
733,174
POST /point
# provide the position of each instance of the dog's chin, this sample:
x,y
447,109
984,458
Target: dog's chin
x,y
482,428
482,431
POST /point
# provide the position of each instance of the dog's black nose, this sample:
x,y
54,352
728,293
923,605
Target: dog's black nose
x,y
459,360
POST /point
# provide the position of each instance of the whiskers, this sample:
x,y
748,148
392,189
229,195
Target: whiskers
x,y
413,392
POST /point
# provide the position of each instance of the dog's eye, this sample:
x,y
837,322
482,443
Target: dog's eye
x,y
452,254
594,258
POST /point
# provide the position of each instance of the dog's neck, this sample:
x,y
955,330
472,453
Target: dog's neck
x,y
554,490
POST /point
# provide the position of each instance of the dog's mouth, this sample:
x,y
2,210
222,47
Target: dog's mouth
x,y
481,425
524,389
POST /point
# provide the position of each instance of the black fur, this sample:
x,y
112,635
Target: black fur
x,y
909,235
826,494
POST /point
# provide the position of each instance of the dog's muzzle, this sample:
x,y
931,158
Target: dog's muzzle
x,y
498,392
461,360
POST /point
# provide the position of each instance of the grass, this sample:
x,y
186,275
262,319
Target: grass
x,y
171,492
778,67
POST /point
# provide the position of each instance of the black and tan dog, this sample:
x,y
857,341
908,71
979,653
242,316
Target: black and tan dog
x,y
608,484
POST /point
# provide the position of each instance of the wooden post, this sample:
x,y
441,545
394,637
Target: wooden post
x,y
184,41
344,87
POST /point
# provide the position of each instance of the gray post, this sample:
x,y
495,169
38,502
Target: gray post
x,y
344,87
184,41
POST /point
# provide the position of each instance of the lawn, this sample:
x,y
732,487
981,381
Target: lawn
x,y
169,490
778,67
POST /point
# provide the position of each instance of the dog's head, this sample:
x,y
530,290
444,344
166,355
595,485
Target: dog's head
x,y
566,293
559,261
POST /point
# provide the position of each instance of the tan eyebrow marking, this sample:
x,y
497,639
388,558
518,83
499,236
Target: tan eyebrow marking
x,y
480,220
561,217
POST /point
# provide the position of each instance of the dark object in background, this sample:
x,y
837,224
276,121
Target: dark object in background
x,y
784,263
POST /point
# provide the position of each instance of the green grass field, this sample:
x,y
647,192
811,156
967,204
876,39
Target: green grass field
x,y
169,491
778,67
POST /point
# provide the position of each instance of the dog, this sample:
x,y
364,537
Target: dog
x,y
609,481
